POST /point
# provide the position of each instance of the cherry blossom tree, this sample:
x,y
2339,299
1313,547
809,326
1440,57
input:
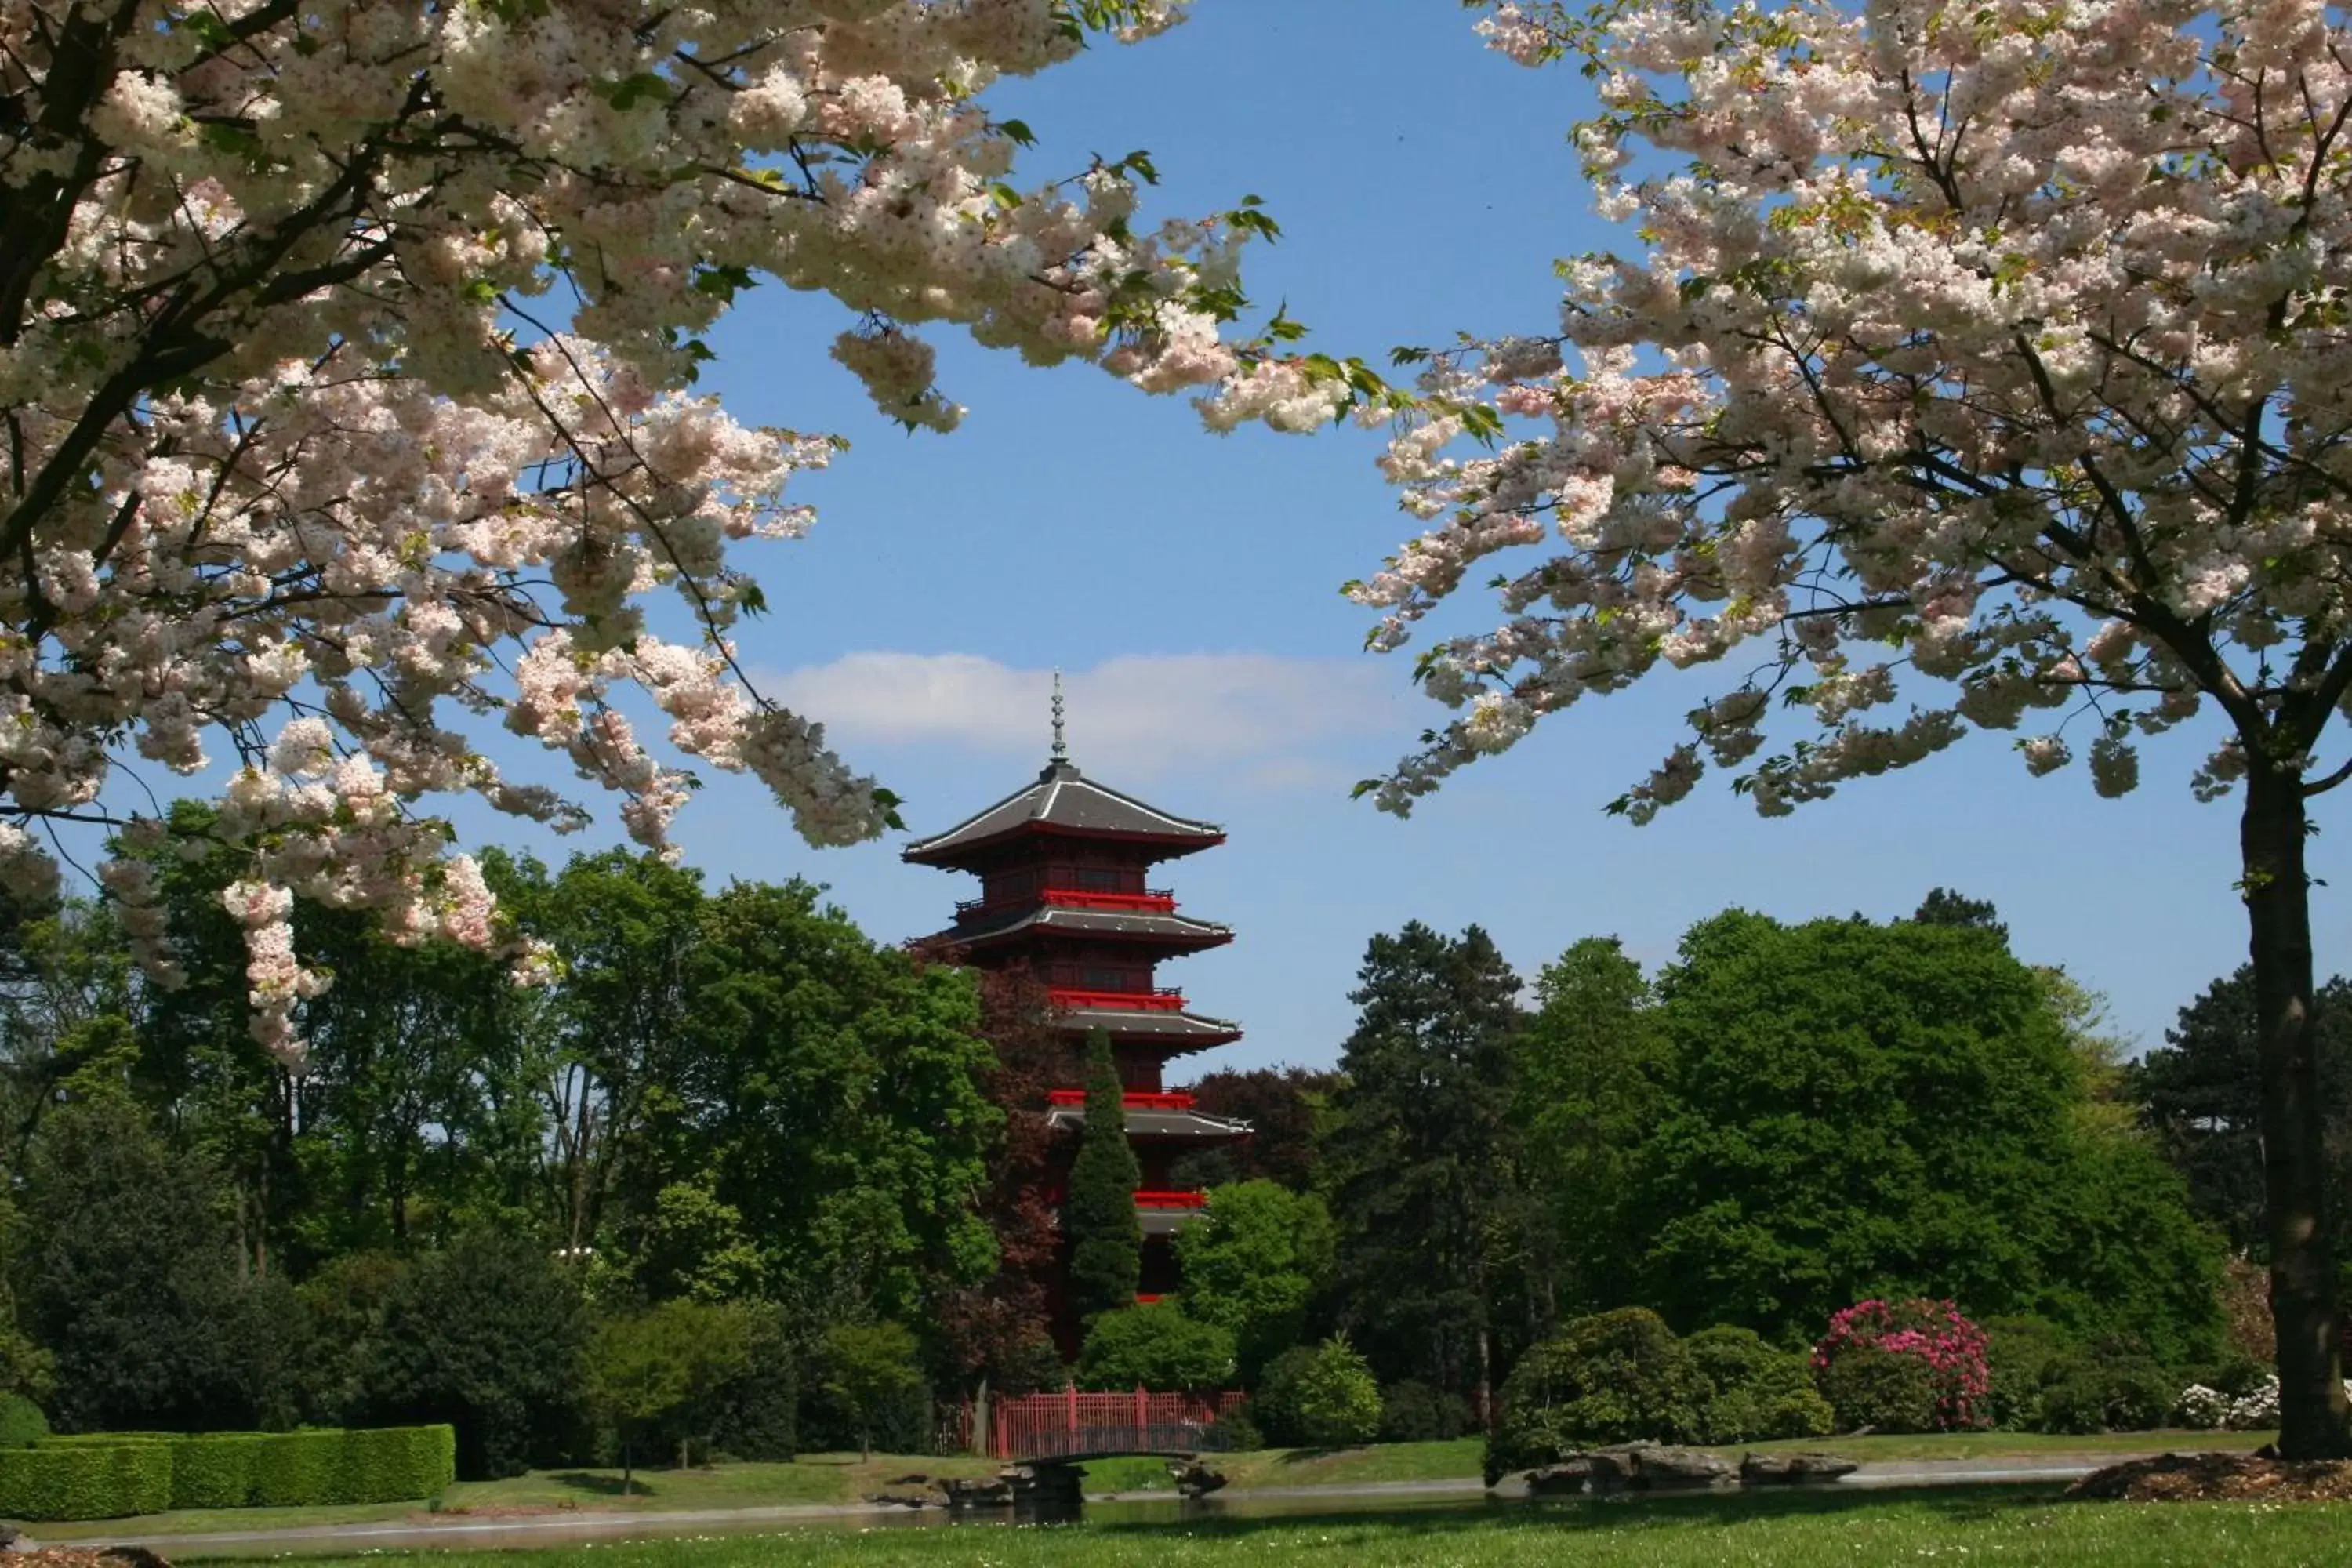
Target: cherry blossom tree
x,y
346,354
1980,366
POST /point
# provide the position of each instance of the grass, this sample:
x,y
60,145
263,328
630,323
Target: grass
x,y
839,1479
2016,1526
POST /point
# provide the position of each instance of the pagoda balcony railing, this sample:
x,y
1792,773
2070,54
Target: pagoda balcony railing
x,y
1135,1099
1154,900
1148,1198
1157,1001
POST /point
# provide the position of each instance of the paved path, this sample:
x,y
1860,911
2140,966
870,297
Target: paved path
x,y
571,1526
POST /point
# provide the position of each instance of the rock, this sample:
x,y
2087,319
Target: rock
x,y
1194,1479
1662,1467
1792,1470
1609,1467
1566,1478
995,1493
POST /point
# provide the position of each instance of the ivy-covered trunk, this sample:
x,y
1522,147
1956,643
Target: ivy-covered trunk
x,y
2313,1411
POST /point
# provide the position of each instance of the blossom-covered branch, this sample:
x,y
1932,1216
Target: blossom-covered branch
x,y
346,354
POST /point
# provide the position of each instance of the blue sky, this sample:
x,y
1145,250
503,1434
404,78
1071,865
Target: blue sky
x,y
1188,585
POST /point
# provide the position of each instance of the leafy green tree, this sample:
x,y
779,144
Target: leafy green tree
x,y
866,1367
1441,1242
1282,1105
131,1281
1585,1097
1857,1110
1155,1345
486,1334
612,1039
1335,1398
1253,1265
1106,1234
662,1372
2199,1095
829,1092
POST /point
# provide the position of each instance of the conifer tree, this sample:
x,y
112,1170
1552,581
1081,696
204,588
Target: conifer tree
x,y
1106,1239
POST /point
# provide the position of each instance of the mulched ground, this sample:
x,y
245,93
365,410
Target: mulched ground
x,y
86,1557
2211,1478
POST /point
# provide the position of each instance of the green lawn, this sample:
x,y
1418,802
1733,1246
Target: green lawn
x,y
835,1478
1770,1531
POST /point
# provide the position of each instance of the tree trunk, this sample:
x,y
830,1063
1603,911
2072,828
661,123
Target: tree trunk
x,y
1485,1381
628,1475
2313,1413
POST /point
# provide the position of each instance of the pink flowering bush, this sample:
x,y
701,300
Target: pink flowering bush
x,y
1932,1334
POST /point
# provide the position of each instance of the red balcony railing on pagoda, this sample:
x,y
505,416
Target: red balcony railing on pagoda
x,y
1147,1199
1150,1200
1135,1099
1152,900
1158,1001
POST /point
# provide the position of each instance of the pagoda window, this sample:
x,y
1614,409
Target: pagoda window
x,y
1101,977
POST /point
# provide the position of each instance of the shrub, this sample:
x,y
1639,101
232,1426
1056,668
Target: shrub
x,y
1754,1391
1871,1389
22,1424
1337,1399
1234,1433
1274,1406
1154,1345
1611,1378
394,1464
1933,1333
94,1481
1413,1411
2022,1357
225,1470
214,1470
2108,1394
485,1334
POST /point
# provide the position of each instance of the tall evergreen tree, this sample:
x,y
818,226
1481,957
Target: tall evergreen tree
x,y
1440,1246
2199,1095
1106,1234
1586,1096
1945,907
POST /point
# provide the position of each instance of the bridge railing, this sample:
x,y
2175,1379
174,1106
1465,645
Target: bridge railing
x,y
1070,1424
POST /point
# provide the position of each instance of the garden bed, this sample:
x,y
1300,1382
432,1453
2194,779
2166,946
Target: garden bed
x,y
2218,1477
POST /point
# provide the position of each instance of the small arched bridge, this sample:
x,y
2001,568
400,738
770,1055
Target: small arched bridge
x,y
1073,1426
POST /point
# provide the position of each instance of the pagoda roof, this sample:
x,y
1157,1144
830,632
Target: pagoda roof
x,y
1172,1031
1064,801
1142,1123
1145,925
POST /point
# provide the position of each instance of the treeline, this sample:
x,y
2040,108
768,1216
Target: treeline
x,y
1783,1122
727,1097
740,1180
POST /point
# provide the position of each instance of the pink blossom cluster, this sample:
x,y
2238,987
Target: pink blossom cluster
x,y
302,467
1975,367
1935,1332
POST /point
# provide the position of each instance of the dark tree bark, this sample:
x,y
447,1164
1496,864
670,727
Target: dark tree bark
x,y
2314,1421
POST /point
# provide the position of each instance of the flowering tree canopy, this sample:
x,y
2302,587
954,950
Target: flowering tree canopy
x,y
344,358
1982,366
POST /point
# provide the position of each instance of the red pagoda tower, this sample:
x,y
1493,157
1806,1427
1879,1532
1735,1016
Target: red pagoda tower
x,y
1063,865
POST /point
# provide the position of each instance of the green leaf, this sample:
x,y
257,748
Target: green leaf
x,y
1018,132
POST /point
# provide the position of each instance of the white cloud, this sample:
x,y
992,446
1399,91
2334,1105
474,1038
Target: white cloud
x,y
1132,717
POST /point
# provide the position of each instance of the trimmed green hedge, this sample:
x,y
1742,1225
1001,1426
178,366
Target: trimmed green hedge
x,y
104,1475
85,1482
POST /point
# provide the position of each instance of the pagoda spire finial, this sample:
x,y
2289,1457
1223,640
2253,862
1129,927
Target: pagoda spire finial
x,y
1061,746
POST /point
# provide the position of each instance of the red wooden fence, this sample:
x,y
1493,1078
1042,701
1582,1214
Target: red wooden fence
x,y
1070,1424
